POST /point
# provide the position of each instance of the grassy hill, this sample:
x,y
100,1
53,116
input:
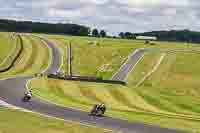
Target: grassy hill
x,y
144,66
151,102
169,97
175,84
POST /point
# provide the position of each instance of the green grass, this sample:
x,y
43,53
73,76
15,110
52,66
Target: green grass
x,y
35,58
12,121
175,85
144,66
180,67
159,102
5,45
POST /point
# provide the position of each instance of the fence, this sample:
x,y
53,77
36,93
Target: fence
x,y
86,79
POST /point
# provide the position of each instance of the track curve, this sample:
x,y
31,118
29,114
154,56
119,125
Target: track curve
x,y
12,90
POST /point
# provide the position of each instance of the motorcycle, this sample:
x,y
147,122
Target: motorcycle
x,y
97,111
26,98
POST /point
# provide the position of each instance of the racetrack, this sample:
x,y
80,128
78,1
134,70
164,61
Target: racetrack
x,y
12,91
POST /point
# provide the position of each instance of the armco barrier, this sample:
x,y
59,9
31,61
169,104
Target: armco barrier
x,y
86,79
16,57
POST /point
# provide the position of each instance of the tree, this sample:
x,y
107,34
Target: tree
x,y
121,34
103,33
95,33
128,35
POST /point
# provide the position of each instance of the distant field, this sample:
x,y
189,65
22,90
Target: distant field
x,y
35,58
93,60
103,56
12,121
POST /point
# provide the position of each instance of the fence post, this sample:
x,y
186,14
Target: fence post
x,y
70,59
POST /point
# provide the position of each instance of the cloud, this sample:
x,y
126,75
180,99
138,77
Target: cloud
x,y
111,15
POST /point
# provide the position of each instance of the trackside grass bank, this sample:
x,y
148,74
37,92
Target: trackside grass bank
x,y
6,45
34,58
10,47
144,66
13,121
123,102
175,85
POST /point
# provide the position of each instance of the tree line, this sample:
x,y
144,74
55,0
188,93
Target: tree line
x,y
101,33
81,30
37,27
172,35
59,28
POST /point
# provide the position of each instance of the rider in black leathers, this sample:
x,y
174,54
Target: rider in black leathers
x,y
28,96
97,108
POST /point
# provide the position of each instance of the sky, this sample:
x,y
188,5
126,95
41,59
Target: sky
x,y
114,16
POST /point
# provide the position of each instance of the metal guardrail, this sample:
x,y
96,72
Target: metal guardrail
x,y
86,79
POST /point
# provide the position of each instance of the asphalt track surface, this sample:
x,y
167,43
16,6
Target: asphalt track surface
x,y
12,91
126,68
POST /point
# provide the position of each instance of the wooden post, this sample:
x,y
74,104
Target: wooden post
x,y
70,59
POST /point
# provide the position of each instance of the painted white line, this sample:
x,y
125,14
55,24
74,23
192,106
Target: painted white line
x,y
153,70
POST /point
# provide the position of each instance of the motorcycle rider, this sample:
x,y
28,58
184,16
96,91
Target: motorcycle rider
x,y
97,108
28,94
103,108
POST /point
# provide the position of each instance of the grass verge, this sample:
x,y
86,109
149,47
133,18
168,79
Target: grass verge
x,y
12,121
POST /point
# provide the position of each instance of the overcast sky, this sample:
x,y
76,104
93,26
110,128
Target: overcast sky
x,y
112,15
